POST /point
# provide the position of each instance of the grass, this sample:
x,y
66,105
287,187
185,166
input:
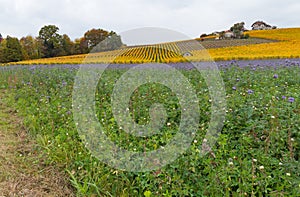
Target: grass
x,y
22,170
256,154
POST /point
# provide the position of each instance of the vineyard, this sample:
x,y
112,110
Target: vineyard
x,y
288,47
262,45
256,152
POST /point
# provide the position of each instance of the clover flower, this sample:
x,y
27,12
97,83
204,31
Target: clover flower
x,y
291,99
261,167
250,91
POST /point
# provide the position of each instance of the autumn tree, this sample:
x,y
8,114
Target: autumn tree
x,y
50,43
112,42
30,47
115,41
94,36
81,46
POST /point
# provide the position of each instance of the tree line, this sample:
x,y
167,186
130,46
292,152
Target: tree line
x,y
49,43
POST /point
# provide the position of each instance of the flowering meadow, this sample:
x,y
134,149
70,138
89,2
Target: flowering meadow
x,y
256,154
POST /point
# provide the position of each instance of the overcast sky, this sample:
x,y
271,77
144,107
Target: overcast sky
x,y
190,17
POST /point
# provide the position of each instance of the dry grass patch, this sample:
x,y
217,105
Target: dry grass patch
x,y
22,171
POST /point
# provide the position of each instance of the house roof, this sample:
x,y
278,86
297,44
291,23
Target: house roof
x,y
260,23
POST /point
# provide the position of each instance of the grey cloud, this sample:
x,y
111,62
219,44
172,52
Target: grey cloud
x,y
191,17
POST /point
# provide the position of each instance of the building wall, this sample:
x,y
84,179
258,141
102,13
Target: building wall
x,y
260,27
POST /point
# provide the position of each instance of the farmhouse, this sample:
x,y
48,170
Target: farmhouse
x,y
260,25
229,34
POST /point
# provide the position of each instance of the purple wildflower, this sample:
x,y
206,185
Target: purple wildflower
x,y
283,97
291,99
275,76
250,91
233,88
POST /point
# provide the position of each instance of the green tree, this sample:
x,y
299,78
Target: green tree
x,y
13,50
68,45
238,30
52,42
2,51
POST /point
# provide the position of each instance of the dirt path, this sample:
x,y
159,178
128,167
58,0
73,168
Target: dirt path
x,y
22,173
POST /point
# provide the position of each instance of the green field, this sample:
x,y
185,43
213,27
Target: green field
x,y
256,154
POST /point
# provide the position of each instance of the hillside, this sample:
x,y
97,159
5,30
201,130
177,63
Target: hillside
x,y
278,43
287,47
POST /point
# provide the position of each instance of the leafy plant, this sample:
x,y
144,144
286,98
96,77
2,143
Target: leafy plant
x,y
256,154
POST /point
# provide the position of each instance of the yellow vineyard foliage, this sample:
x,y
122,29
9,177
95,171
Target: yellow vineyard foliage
x,y
288,34
287,45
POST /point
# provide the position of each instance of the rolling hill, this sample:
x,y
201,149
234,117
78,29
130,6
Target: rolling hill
x,y
262,44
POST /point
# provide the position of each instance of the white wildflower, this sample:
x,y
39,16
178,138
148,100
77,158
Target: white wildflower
x,y
261,167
